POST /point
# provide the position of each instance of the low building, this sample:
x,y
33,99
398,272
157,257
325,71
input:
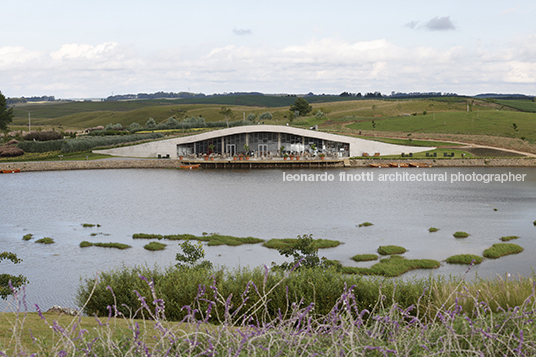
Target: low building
x,y
262,141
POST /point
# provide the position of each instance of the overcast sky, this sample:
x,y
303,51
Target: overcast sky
x,y
81,49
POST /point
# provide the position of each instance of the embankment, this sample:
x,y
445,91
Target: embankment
x,y
175,164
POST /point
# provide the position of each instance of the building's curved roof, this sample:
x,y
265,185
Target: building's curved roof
x,y
169,146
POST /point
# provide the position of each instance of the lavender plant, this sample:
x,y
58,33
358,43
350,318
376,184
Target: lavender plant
x,y
386,328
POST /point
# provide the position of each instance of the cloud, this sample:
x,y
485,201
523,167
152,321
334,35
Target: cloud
x,y
440,24
242,32
412,24
329,65
83,51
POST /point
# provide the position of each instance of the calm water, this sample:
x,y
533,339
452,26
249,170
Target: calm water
x,y
254,203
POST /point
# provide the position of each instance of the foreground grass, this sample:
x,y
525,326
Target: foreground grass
x,y
446,318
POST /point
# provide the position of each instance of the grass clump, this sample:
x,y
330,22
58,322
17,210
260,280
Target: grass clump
x,y
432,229
464,259
500,249
27,236
391,249
85,244
45,240
364,257
460,234
365,224
112,245
155,246
507,238
89,225
534,223
284,243
393,266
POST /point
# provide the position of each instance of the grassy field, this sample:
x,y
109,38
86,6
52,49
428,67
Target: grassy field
x,y
489,122
506,123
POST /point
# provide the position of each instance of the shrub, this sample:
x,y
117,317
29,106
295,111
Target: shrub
x,y
9,284
41,146
500,249
461,235
155,246
43,136
391,249
464,259
432,229
45,240
364,257
245,289
507,238
91,142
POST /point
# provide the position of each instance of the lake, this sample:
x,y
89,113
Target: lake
x,y
264,204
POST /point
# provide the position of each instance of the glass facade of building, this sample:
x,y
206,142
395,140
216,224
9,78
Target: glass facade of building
x,y
262,144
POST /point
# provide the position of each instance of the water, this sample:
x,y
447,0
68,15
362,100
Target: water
x,y
256,203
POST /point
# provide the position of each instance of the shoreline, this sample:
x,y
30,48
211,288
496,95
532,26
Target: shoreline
x,y
115,163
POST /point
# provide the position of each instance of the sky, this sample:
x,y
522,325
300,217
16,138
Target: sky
x,y
81,49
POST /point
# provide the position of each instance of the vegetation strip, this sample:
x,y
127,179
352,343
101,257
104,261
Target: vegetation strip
x,y
121,246
282,243
212,239
45,240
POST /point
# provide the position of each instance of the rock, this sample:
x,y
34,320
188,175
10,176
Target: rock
x,y
10,151
63,310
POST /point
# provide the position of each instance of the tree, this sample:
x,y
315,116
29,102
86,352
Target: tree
x,y
302,106
6,279
151,123
266,116
190,256
303,251
227,114
6,115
